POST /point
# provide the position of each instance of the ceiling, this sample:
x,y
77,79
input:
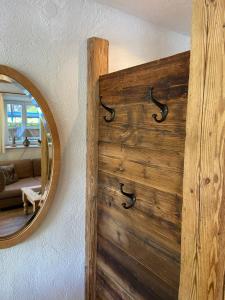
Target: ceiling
x,y
11,90
171,14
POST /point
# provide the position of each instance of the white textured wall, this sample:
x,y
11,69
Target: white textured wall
x,y
47,41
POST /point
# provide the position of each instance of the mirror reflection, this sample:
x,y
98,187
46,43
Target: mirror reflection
x,y
25,157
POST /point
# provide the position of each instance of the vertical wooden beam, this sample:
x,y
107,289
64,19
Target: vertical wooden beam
x,y
97,65
203,219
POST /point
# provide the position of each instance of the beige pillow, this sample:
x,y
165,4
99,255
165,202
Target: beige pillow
x,y
9,173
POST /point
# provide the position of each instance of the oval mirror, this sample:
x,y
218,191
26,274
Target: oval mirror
x,y
29,157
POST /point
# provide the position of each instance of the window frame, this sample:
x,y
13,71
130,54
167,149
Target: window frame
x,y
24,104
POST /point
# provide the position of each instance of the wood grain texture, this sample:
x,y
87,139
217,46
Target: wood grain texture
x,y
134,278
151,248
203,226
154,202
108,289
139,249
97,65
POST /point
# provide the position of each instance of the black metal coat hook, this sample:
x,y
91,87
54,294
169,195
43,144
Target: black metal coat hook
x,y
163,107
132,198
110,110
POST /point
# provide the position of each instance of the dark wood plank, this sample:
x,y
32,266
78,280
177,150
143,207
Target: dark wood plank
x,y
152,255
163,206
160,178
139,114
148,157
162,235
168,76
144,138
108,289
155,231
124,270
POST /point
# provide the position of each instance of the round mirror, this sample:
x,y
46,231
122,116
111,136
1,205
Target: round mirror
x,y
29,157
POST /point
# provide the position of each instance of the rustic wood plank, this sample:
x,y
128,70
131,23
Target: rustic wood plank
x,y
165,75
97,65
153,256
159,233
131,111
138,137
164,206
152,176
173,161
139,114
108,289
124,270
203,228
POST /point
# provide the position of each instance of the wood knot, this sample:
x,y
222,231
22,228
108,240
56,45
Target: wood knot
x,y
211,2
207,181
215,178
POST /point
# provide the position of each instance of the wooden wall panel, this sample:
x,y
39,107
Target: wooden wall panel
x,y
203,228
139,249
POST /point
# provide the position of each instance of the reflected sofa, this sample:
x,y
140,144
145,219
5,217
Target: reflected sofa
x,y
29,174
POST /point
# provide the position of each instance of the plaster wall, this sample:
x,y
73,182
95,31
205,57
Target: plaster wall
x,y
46,40
172,14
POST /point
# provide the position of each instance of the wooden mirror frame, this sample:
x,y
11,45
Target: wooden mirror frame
x,y
28,229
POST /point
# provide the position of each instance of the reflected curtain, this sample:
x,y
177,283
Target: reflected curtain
x,y
2,125
44,158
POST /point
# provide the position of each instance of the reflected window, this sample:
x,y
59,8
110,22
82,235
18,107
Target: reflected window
x,y
23,120
32,123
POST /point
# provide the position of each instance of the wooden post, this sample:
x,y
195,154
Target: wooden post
x,y
203,219
97,65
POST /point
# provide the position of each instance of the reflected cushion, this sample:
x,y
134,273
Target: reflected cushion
x,y
2,181
9,174
23,167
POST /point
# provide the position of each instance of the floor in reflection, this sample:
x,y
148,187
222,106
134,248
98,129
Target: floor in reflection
x,y
13,220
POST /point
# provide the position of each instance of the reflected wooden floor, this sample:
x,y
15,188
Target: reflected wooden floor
x,y
12,220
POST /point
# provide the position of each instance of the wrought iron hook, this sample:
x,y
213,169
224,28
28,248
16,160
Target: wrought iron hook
x,y
163,107
110,110
132,198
